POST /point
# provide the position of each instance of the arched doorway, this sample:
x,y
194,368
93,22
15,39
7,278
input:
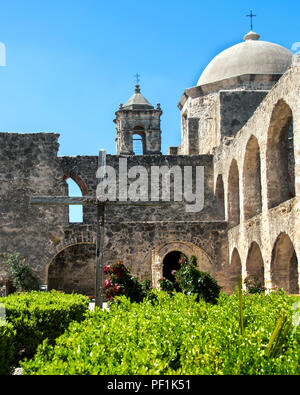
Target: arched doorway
x,y
220,196
171,264
235,270
233,195
284,265
252,180
255,264
73,269
280,156
204,262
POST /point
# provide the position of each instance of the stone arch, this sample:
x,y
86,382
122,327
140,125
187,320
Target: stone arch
x,y
284,265
72,269
204,262
235,270
81,184
252,180
280,156
255,264
219,194
233,195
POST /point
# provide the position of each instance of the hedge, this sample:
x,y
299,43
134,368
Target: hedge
x,y
174,335
7,350
36,316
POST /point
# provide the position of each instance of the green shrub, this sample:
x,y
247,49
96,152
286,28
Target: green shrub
x,y
253,285
40,315
193,281
166,285
7,348
120,282
177,336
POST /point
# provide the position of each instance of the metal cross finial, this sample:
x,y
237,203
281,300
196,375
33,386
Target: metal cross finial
x,y
251,16
137,78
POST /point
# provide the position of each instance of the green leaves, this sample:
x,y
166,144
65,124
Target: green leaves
x,y
174,335
20,272
7,348
193,281
36,316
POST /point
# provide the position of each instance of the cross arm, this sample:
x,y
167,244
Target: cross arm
x,y
87,200
62,200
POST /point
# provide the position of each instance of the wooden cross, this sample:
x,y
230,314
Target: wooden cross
x,y
251,16
90,200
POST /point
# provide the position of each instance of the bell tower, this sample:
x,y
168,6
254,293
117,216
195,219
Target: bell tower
x,y
138,126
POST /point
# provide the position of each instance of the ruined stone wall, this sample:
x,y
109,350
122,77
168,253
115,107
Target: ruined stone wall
x,y
29,166
60,252
143,245
176,211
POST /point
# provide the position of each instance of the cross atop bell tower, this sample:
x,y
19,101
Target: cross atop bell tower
x,y
137,78
138,126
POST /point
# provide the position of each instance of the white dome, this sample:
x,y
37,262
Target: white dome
x,y
249,57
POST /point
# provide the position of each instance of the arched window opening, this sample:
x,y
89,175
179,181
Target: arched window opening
x,y
138,140
75,212
171,264
233,201
255,265
284,265
280,156
137,144
220,197
252,180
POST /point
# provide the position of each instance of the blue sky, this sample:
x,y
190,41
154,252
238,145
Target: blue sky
x,y
71,62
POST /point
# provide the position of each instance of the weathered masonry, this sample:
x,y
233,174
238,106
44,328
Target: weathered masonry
x,y
241,123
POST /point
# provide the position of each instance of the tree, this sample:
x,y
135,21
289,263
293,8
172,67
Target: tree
x,y
20,273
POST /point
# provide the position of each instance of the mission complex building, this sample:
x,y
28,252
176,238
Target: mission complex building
x,y
241,123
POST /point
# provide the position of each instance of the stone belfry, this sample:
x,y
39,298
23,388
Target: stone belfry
x,y
138,126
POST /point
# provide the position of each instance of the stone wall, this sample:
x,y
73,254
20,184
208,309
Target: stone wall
x,y
62,253
29,166
266,187
175,211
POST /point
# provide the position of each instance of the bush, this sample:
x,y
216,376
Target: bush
x,y
190,280
193,281
20,273
166,285
120,282
253,285
174,336
39,315
7,350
